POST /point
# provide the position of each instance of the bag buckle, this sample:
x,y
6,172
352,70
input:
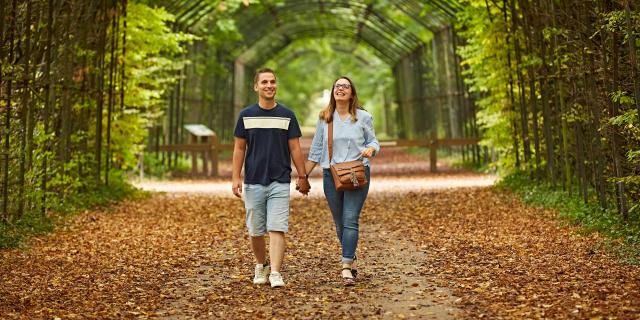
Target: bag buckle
x,y
354,179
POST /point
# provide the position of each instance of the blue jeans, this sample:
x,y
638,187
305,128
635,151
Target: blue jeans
x,y
345,207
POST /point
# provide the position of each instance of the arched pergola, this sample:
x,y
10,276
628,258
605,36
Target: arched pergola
x,y
429,90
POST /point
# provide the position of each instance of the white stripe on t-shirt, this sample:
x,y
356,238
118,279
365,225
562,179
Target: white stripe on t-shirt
x,y
266,123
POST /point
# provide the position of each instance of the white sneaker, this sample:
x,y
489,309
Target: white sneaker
x,y
261,273
275,278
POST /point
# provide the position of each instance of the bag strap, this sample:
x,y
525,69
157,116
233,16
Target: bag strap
x,y
330,142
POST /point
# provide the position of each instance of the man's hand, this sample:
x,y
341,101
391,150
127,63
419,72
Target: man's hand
x,y
236,187
303,186
239,147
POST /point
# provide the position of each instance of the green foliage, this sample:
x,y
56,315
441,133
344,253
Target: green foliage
x,y
154,55
156,167
626,119
628,122
632,188
71,179
573,62
153,58
633,155
484,57
31,224
306,90
219,28
614,21
622,97
409,25
577,113
623,236
153,166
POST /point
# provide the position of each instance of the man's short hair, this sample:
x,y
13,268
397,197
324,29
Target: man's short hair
x,y
262,70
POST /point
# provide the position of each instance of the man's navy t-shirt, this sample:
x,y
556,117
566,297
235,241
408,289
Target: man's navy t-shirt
x,y
267,133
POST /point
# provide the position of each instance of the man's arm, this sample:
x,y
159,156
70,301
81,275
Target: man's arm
x,y
296,156
298,161
239,149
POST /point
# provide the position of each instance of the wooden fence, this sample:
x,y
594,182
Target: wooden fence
x,y
210,151
433,144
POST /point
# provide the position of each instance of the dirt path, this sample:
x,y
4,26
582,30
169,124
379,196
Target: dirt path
x,y
397,268
432,253
390,284
379,185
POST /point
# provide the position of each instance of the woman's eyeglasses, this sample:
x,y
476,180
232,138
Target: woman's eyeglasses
x,y
342,86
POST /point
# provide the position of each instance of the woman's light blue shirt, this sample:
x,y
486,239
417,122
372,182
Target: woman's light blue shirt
x,y
349,139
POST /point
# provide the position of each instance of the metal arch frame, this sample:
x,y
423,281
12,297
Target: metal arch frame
x,y
277,40
273,46
189,12
249,22
269,27
388,30
296,54
430,20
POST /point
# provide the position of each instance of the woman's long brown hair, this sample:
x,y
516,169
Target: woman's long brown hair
x,y
327,113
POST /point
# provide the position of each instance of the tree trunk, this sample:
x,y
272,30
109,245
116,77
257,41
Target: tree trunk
x,y
632,56
9,106
512,108
546,110
580,162
529,26
100,90
6,94
48,103
595,157
524,121
559,85
64,118
123,77
87,91
24,112
615,143
112,71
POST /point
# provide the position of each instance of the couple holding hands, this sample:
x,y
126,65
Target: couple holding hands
x,y
267,139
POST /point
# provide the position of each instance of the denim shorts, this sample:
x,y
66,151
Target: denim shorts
x,y
267,208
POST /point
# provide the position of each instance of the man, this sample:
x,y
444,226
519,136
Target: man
x,y
268,134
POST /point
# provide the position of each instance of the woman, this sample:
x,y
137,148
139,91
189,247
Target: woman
x,y
353,138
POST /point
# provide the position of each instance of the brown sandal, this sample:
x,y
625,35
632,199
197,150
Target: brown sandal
x,y
349,281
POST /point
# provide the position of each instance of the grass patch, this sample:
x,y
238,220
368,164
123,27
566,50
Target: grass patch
x,y
473,166
155,167
453,158
18,231
622,237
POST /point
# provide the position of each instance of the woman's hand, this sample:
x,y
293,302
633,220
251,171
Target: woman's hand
x,y
303,185
368,152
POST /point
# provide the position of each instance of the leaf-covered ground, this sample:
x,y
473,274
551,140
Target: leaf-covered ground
x,y
433,253
436,246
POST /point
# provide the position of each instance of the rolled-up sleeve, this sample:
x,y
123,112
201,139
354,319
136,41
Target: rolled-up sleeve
x,y
315,152
370,139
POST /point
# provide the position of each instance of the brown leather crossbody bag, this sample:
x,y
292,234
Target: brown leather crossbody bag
x,y
348,175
